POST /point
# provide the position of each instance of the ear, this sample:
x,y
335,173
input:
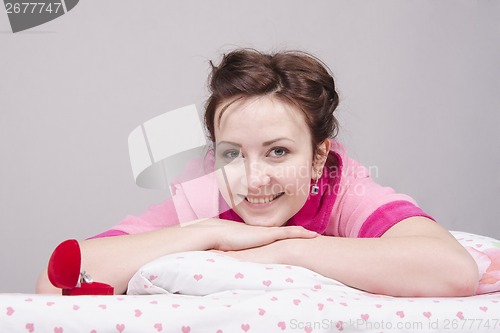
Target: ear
x,y
320,158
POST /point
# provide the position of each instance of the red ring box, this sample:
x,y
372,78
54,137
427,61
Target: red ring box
x,y
64,272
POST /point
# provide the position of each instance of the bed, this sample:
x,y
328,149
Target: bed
x,y
209,292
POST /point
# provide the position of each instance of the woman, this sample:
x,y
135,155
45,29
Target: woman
x,y
301,199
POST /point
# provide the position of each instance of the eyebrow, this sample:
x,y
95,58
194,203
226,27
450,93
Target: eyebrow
x,y
228,143
270,142
264,144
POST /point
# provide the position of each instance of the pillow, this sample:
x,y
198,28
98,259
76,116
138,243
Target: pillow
x,y
486,253
204,272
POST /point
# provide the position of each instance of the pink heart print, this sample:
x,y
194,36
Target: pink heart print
x,y
282,325
262,312
186,329
10,311
340,325
267,283
245,327
198,277
460,315
30,327
158,327
427,314
239,275
58,330
400,314
138,313
120,327
365,316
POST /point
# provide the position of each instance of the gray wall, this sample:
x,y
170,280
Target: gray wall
x,y
419,84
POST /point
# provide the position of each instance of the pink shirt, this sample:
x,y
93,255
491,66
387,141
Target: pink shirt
x,y
349,204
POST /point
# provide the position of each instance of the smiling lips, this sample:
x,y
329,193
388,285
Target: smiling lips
x,y
263,200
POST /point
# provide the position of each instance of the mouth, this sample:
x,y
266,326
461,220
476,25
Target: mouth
x,y
264,200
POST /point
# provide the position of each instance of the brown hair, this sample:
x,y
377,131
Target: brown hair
x,y
295,77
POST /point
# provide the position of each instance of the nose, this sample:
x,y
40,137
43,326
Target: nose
x,y
257,175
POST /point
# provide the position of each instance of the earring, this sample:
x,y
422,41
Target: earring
x,y
315,187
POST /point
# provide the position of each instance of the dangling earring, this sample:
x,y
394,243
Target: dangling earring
x,y
315,187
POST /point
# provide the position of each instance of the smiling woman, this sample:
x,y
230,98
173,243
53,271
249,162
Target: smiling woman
x,y
287,192
271,149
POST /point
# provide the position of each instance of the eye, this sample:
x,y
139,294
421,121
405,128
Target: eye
x,y
231,154
278,152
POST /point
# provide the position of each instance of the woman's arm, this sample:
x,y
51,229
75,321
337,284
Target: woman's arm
x,y
114,260
415,257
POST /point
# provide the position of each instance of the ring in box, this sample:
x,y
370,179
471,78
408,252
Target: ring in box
x,y
64,272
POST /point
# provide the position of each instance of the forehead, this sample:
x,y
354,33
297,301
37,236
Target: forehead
x,y
261,115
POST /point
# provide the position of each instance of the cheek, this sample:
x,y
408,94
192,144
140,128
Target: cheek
x,y
295,179
231,181
298,192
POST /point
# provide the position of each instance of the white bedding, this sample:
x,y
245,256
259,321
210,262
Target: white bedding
x,y
321,309
209,292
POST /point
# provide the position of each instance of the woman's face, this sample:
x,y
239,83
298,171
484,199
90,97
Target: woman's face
x,y
264,156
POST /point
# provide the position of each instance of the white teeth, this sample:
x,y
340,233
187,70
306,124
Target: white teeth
x,y
263,200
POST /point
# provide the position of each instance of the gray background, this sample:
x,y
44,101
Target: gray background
x,y
419,83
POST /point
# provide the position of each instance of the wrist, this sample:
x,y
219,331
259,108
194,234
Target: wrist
x,y
292,251
286,251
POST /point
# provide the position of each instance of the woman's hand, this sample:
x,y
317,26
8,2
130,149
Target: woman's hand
x,y
233,236
272,253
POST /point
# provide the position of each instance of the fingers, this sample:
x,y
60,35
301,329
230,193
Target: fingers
x,y
294,232
272,234
229,235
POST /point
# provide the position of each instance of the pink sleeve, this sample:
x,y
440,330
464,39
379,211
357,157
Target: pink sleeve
x,y
156,217
388,215
191,200
109,233
364,208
